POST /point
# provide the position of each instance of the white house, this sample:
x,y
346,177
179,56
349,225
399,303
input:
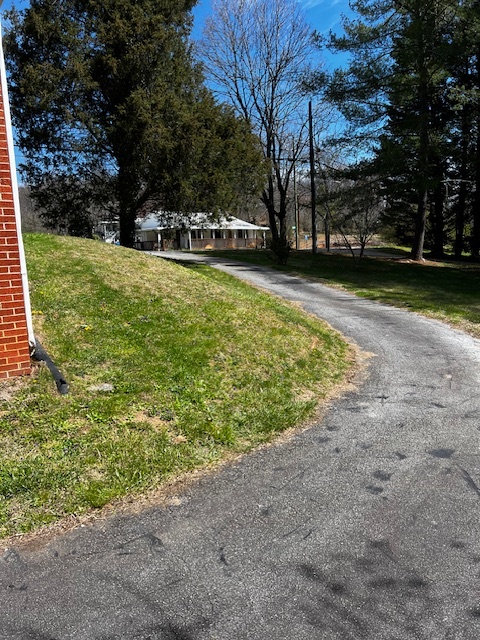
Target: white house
x,y
199,231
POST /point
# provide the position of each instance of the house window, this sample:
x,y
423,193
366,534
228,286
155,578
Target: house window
x,y
216,233
240,233
193,233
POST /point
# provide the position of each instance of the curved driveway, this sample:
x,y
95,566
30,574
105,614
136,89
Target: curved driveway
x,y
366,526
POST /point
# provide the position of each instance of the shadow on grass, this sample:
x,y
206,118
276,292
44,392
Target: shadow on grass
x,y
448,289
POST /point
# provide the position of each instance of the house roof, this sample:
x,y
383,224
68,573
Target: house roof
x,y
159,221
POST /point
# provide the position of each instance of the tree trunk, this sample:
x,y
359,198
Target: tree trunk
x,y
282,186
476,202
268,199
423,153
422,190
127,207
438,221
475,248
420,223
127,228
463,189
460,220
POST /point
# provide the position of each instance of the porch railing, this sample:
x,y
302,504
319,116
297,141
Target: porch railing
x,y
227,243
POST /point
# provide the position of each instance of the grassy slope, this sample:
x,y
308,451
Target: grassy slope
x,y
201,365
446,291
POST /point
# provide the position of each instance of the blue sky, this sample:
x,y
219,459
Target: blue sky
x,y
323,15
19,4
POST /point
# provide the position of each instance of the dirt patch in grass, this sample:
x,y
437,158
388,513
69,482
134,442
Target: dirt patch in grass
x,y
8,389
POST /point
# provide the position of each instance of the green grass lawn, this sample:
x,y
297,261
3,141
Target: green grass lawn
x,y
447,291
201,366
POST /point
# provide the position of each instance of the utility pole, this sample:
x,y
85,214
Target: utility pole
x,y
327,215
327,231
312,180
295,204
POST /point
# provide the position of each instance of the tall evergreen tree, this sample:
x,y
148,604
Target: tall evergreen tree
x,y
394,96
108,93
461,92
470,94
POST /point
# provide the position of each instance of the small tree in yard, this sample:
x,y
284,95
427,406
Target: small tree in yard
x,y
354,208
256,54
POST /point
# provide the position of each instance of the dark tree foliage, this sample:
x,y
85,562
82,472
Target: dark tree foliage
x,y
410,97
111,111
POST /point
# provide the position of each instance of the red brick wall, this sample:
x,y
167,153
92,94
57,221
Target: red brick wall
x,y
14,345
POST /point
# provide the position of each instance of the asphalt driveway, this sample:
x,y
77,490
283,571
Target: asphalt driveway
x,y
366,526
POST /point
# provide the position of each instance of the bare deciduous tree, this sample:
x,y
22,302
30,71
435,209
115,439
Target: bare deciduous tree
x,y
256,53
354,208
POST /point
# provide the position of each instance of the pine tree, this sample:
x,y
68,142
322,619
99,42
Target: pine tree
x,y
394,95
